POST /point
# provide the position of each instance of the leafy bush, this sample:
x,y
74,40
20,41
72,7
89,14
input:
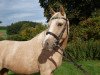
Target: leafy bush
x,y
92,27
31,32
27,33
16,37
84,50
96,13
86,30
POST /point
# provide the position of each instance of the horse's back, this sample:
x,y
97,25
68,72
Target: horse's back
x,y
4,45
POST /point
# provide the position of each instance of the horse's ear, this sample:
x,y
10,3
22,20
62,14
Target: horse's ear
x,y
62,11
52,12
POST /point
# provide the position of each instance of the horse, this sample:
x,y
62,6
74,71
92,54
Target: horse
x,y
40,54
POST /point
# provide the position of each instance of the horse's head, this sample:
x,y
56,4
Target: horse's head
x,y
58,26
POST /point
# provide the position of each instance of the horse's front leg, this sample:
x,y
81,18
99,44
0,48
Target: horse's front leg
x,y
46,72
4,71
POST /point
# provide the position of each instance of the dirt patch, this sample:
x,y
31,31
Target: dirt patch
x,y
1,33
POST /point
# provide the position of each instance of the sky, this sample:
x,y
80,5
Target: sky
x,y
12,11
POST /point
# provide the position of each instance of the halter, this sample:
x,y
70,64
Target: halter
x,y
61,34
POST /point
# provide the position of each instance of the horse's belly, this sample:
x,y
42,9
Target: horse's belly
x,y
24,68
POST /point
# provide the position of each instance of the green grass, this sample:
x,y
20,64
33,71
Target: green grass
x,y
93,67
3,33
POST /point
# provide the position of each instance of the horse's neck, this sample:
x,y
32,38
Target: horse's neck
x,y
64,39
40,37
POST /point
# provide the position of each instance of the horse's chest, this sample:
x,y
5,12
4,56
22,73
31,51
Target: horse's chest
x,y
57,58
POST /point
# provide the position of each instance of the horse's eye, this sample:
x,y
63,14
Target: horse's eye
x,y
60,24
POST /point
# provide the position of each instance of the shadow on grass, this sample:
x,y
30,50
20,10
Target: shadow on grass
x,y
36,74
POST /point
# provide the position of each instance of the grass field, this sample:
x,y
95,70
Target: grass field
x,y
93,67
3,33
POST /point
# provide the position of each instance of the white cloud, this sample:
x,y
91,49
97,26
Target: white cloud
x,y
21,15
16,10
40,20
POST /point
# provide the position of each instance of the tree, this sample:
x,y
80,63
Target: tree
x,y
24,30
30,32
76,10
15,28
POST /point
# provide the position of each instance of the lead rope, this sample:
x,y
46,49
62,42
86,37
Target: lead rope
x,y
68,56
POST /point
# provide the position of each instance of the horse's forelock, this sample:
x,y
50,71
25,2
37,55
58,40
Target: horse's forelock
x,y
58,14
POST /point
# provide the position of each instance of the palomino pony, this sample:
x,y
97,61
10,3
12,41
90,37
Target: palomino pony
x,y
39,54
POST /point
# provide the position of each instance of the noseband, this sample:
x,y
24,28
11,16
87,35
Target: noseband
x,y
61,34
